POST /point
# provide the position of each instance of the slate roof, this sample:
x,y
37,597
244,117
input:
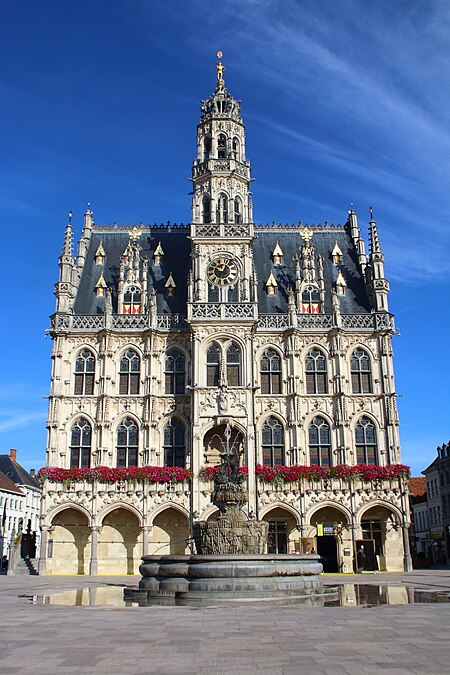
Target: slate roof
x,y
176,245
17,473
7,484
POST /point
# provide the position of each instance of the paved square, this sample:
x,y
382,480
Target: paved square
x,y
400,639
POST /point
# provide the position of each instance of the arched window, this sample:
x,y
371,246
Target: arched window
x,y
127,443
212,365
175,372
130,370
237,210
320,442
84,373
272,441
80,444
233,365
222,146
316,372
361,372
222,208
270,372
174,443
236,153
206,209
132,300
310,300
366,442
206,148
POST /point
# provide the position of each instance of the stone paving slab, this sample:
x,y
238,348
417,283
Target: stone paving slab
x,y
280,640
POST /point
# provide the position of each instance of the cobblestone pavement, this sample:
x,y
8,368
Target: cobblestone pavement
x,y
240,639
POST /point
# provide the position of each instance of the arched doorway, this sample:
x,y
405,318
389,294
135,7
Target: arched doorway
x,y
119,543
170,533
69,543
217,439
333,539
381,543
283,536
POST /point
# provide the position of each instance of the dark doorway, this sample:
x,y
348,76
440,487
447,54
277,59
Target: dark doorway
x,y
327,549
365,555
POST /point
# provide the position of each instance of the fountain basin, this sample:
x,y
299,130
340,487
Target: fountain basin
x,y
230,577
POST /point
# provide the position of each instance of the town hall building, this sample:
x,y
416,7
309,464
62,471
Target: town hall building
x,y
171,341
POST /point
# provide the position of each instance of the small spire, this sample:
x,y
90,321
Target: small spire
x,y
100,254
88,209
375,246
341,284
371,214
306,233
158,254
68,238
100,286
69,215
220,70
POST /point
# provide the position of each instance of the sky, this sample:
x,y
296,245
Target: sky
x,y
345,102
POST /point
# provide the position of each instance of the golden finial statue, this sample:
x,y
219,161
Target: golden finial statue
x,y
220,69
306,233
135,233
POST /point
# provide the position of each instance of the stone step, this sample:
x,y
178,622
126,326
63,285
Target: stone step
x,y
26,567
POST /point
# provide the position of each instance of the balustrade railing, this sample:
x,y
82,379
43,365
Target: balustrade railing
x,y
120,322
214,310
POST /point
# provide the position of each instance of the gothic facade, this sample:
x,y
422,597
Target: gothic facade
x,y
171,341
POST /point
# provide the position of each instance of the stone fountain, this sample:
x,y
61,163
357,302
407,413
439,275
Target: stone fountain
x,y
230,564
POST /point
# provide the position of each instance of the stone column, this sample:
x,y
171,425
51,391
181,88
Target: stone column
x,y
407,561
93,565
42,568
145,538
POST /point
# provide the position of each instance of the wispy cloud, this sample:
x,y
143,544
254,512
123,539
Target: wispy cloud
x,y
13,419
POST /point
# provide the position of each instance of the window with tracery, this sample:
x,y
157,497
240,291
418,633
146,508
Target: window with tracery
x,y
361,372
320,442
175,372
84,373
233,363
222,146
129,374
310,300
174,443
222,208
80,444
206,148
366,442
132,300
206,209
272,442
237,210
316,372
270,371
213,365
127,443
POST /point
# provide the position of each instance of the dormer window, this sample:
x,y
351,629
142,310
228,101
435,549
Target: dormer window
x,y
158,254
310,300
277,255
222,146
336,254
170,286
341,284
271,285
132,300
100,286
100,254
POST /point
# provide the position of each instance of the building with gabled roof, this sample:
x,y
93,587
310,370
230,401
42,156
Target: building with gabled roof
x,y
183,347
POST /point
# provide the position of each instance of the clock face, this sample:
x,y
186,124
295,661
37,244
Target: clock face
x,y
222,272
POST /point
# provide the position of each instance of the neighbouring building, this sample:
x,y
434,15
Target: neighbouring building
x,y
436,540
443,468
12,502
24,510
170,341
419,539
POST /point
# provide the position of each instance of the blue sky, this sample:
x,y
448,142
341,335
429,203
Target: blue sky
x,y
344,101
